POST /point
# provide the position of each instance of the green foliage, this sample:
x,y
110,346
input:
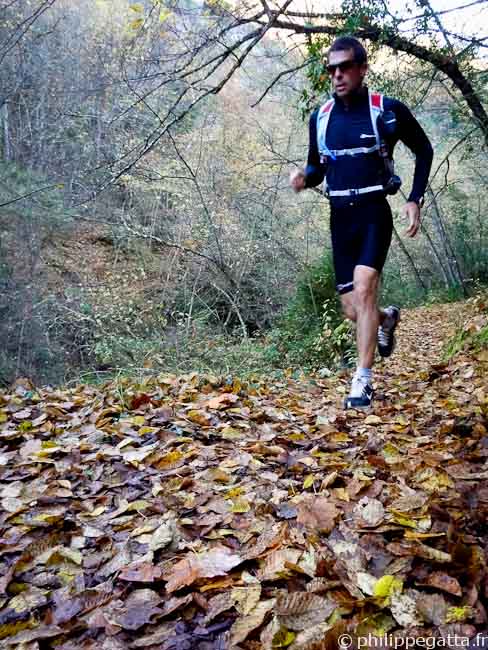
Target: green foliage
x,y
312,332
109,328
473,335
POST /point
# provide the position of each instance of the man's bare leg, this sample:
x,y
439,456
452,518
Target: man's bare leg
x,y
368,316
348,306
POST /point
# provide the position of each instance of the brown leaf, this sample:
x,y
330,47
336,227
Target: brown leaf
x,y
246,598
140,607
222,401
246,624
215,562
80,604
269,539
432,608
445,582
174,604
219,604
277,564
317,513
369,512
141,572
302,610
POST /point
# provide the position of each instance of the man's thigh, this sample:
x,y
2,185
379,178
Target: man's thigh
x,y
361,237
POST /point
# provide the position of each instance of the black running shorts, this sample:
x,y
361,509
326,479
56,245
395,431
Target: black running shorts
x,y
361,234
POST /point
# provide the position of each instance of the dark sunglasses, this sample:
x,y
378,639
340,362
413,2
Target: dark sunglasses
x,y
343,66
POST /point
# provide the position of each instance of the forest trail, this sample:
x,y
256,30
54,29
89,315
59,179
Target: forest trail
x,y
198,512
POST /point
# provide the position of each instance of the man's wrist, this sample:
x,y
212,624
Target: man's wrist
x,y
419,200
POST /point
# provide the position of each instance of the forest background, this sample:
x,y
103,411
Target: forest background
x,y
146,218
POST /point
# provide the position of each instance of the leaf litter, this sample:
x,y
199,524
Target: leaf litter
x,y
203,512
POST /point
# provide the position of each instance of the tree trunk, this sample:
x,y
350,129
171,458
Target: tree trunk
x,y
452,262
7,153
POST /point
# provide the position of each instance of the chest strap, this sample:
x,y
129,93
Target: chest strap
x,y
354,151
354,192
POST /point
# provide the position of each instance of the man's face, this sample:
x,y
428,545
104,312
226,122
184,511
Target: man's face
x,y
345,73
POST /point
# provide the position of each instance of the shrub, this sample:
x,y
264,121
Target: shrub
x,y
312,332
473,335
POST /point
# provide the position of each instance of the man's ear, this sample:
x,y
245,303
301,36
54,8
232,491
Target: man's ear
x,y
363,70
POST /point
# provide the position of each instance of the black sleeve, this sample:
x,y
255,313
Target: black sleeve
x,y
413,136
314,171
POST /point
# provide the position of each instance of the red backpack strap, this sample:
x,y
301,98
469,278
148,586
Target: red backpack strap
x,y
376,100
327,107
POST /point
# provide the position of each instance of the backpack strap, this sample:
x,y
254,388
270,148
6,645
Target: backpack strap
x,y
375,109
323,117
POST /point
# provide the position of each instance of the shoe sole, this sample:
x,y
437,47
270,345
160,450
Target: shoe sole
x,y
348,405
388,354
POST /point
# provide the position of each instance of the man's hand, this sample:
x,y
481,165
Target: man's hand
x,y
412,211
297,180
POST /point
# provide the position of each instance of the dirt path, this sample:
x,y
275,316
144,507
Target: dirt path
x,y
201,513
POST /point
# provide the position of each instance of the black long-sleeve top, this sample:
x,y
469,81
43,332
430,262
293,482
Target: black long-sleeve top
x,y
350,127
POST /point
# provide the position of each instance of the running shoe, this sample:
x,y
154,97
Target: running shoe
x,y
386,332
361,394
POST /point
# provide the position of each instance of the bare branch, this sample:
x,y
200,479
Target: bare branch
x,y
277,78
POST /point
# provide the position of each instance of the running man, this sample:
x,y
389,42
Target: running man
x,y
352,137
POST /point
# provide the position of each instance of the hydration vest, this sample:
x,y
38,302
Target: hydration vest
x,y
375,101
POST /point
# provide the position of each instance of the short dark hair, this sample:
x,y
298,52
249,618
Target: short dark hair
x,y
349,43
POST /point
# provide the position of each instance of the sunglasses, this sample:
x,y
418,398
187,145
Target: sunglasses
x,y
343,66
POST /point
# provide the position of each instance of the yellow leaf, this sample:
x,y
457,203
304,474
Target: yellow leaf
x,y
234,492
198,417
229,433
387,586
144,430
373,419
392,454
137,7
240,505
137,505
135,24
47,517
342,494
308,482
296,437
169,459
405,521
458,614
49,444
95,513
340,436
410,534
10,629
283,638
220,476
138,420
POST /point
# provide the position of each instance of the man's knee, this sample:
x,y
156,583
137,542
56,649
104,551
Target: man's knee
x,y
365,293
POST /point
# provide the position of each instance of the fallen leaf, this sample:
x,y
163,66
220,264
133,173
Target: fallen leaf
x,y
215,562
317,513
302,610
246,624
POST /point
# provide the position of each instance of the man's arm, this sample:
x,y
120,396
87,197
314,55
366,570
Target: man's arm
x,y
414,137
314,172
